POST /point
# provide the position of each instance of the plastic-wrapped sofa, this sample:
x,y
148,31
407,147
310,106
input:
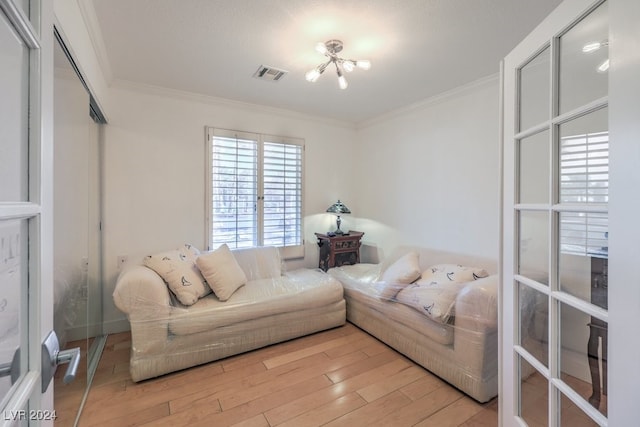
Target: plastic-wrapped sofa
x,y
272,306
437,308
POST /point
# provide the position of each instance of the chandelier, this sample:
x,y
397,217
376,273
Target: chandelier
x,y
331,49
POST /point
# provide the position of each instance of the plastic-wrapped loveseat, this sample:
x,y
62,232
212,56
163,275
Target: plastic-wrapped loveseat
x,y
437,308
272,306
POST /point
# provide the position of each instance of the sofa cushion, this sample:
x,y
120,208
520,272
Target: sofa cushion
x,y
299,290
178,269
399,274
221,271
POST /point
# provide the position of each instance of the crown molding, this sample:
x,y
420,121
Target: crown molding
x,y
90,19
164,92
434,100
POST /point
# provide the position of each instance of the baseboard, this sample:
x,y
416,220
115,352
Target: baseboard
x,y
115,326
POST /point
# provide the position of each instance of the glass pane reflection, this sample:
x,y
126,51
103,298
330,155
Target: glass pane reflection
x,y
584,60
535,83
534,392
584,355
584,159
14,110
13,276
534,315
533,161
533,246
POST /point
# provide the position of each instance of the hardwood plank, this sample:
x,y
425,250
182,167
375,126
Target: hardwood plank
x,y
420,409
390,384
423,386
453,415
367,414
327,412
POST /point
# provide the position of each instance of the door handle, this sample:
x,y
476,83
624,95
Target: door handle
x,y
52,357
12,369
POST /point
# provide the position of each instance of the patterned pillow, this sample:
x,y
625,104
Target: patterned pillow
x,y
435,300
444,273
436,291
179,270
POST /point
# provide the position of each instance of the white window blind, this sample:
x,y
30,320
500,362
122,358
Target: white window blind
x,y
584,179
255,191
282,194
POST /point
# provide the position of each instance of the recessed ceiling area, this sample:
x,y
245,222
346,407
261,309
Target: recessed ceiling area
x,y
417,48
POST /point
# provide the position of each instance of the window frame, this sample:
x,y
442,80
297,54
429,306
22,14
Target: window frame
x,y
286,252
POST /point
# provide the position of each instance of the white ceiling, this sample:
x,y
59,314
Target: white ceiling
x,y
418,48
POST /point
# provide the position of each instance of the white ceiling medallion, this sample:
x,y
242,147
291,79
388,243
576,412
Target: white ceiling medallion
x,y
331,49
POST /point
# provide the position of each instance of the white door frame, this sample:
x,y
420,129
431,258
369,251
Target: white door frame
x,y
37,31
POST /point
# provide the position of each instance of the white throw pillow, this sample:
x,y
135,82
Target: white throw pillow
x,y
222,272
443,273
179,270
399,274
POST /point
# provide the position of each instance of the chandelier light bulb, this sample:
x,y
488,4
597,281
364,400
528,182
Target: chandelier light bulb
x,y
591,47
312,75
342,82
348,66
604,67
364,64
322,48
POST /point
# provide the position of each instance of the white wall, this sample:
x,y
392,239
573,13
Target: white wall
x,y
429,175
154,173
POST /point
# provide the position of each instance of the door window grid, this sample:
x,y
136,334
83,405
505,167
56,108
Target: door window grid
x,y
558,389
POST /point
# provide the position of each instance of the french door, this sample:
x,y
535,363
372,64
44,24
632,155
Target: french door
x,y
25,209
563,168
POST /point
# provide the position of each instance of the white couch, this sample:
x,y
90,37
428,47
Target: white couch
x,y
272,306
462,349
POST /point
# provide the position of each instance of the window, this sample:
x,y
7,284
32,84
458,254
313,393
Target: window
x,y
584,179
255,191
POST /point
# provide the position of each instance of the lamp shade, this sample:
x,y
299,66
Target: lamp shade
x,y
338,208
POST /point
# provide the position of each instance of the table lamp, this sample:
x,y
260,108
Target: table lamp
x,y
338,208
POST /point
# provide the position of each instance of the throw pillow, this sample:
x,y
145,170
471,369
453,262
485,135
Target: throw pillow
x,y
443,273
178,269
399,274
435,300
222,272
435,293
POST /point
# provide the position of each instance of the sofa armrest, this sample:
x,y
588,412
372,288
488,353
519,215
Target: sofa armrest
x,y
476,328
477,304
141,291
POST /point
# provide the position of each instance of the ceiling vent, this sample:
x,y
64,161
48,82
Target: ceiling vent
x,y
269,73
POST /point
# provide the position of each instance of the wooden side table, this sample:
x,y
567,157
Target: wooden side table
x,y
341,249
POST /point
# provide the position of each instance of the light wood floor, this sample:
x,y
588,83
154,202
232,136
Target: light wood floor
x,y
338,377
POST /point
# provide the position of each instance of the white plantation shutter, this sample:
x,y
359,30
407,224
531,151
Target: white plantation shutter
x,y
234,190
256,191
584,178
282,182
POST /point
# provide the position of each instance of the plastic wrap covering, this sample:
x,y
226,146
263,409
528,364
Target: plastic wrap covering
x,y
437,308
270,307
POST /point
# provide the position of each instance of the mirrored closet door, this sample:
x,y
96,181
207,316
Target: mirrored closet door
x,y
77,239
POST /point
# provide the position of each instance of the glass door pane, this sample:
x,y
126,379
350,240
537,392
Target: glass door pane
x,y
14,265
14,110
584,61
